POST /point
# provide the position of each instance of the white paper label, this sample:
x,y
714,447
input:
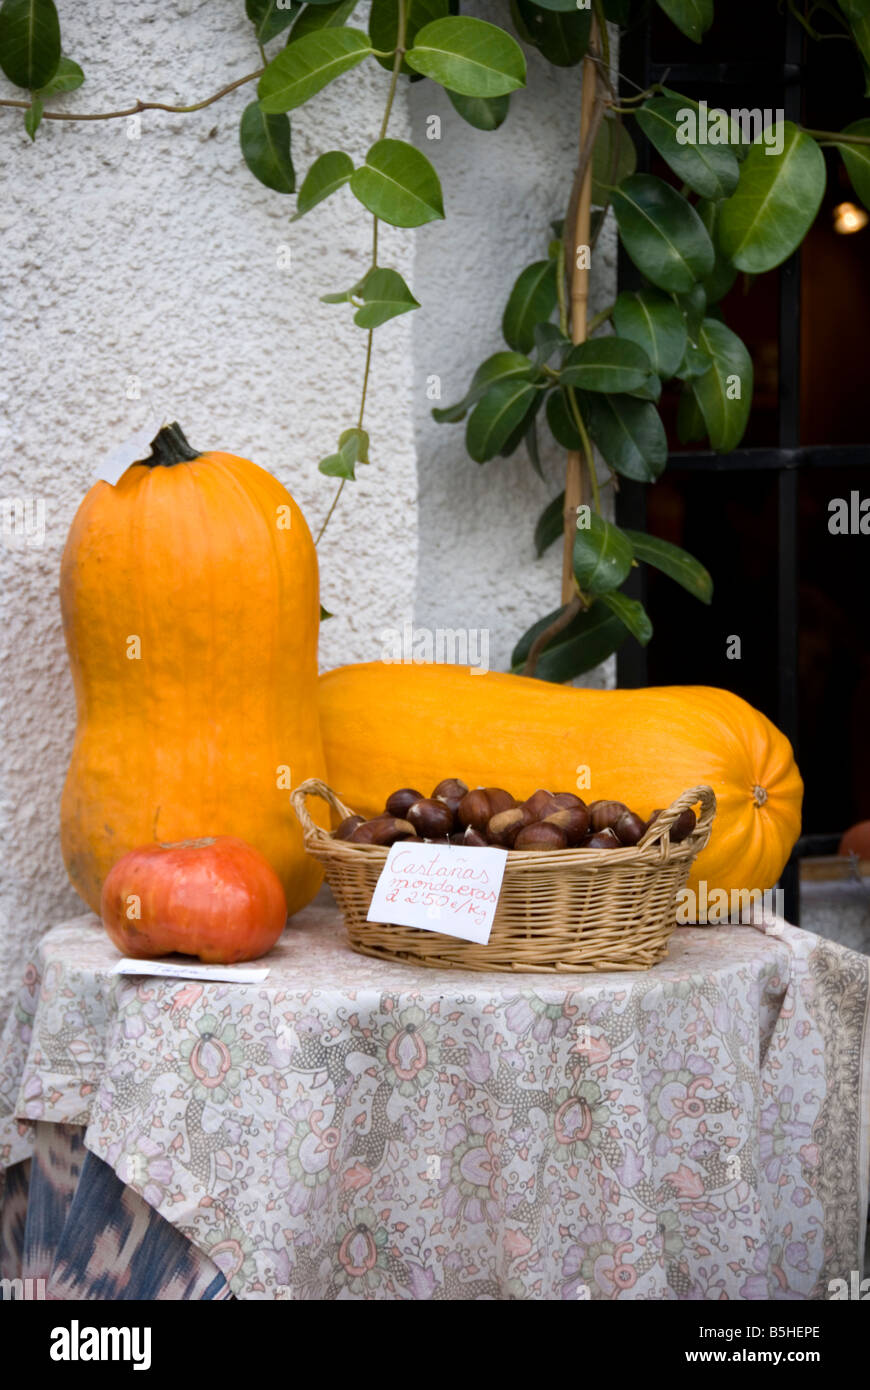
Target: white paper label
x,y
138,446
193,970
439,887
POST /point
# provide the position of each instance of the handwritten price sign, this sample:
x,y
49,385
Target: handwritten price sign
x,y
441,888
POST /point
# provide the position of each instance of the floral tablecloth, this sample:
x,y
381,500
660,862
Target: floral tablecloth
x,y
350,1128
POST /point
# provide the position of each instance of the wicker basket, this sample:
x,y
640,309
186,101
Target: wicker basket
x,y
563,910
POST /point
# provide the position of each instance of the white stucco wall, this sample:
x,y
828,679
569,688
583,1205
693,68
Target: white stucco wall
x,y
151,265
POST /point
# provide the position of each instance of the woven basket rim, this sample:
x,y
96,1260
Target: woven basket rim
x,y
655,847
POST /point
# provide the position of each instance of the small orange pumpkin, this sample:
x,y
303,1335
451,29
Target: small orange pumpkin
x,y
215,898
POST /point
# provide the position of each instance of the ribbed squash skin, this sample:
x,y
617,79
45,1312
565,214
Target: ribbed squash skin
x,y
388,726
187,740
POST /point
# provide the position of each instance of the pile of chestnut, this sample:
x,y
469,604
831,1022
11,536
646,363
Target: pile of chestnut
x,y
491,816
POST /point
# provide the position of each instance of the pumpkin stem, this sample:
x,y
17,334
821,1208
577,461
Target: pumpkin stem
x,y
759,795
169,447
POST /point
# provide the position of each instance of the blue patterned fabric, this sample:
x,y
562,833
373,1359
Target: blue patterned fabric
x,y
67,1220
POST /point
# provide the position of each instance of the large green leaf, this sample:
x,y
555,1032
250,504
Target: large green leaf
x,y
775,202
617,11
613,159
502,366
662,232
605,364
29,42
308,65
858,14
676,563
562,35
692,17
68,77
711,170
398,184
328,172
265,142
717,284
560,418
550,524
589,639
385,296
269,18
531,301
654,322
857,159
525,432
484,113
469,56
550,342
497,417
693,304
316,16
725,413
631,612
629,434
384,24
690,421
602,556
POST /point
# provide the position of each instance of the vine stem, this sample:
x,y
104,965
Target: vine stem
x,y
139,106
587,447
398,59
836,137
567,615
591,115
578,220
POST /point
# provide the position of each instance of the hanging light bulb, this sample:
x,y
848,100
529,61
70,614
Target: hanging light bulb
x,y
848,217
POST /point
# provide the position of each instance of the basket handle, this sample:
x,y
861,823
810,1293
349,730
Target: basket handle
x,y
314,787
684,802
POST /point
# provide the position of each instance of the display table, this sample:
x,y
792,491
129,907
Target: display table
x,y
351,1128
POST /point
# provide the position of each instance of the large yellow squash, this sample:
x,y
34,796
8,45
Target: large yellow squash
x,y
388,726
190,606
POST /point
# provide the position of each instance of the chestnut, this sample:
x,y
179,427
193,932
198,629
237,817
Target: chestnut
x,y
473,837
504,827
451,791
606,813
654,816
542,803
398,803
683,826
541,836
567,801
601,839
629,828
347,827
574,823
384,830
478,807
431,819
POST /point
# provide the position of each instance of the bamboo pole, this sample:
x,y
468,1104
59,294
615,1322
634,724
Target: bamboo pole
x,y
579,300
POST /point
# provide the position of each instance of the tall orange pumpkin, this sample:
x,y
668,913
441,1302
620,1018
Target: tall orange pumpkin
x,y
189,594
388,726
